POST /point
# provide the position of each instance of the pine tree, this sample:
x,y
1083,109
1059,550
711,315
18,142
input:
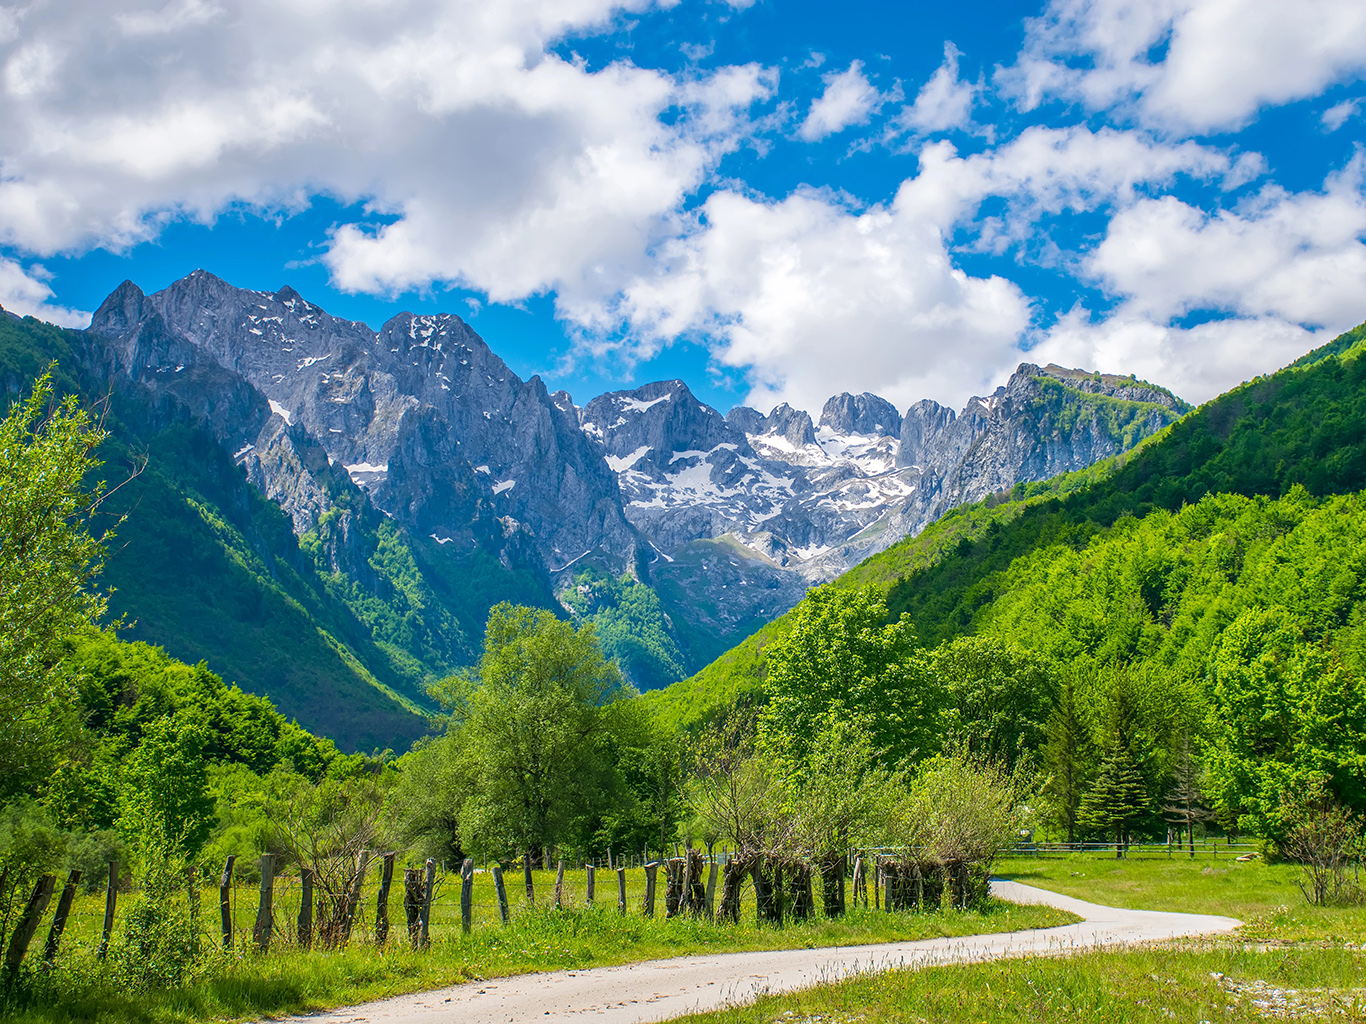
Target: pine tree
x,y
1185,804
1118,797
1067,753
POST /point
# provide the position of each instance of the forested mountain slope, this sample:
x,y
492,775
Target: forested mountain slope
x,y
1303,426
341,627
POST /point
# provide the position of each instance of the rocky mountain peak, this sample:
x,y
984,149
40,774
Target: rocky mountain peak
x,y
865,414
421,414
793,425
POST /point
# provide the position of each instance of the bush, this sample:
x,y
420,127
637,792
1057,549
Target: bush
x,y
1326,838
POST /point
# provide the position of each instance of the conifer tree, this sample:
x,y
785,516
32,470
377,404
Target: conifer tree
x,y
1119,796
1117,799
1067,754
1185,805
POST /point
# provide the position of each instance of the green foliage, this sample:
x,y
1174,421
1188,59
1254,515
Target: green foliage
x,y
839,660
996,696
630,623
960,808
164,804
48,561
534,727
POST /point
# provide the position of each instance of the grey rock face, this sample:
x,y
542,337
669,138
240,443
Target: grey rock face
x,y
812,502
861,414
422,414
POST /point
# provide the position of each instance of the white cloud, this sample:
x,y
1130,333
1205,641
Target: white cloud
x,y
27,293
944,102
1279,274
1197,363
849,99
1298,257
814,296
509,169
1224,59
1339,114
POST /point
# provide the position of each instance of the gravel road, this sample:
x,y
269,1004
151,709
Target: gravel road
x,y
660,989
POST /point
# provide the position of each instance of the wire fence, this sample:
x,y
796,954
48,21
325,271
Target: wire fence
x,y
1209,848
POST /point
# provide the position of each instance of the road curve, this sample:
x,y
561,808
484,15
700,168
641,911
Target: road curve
x,y
657,990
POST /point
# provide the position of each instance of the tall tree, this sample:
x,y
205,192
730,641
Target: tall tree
x,y
535,729
49,558
1119,798
1068,755
1185,807
842,658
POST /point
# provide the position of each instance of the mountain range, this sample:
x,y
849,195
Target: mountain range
x,y
327,511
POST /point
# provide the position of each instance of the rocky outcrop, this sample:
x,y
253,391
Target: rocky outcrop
x,y
810,502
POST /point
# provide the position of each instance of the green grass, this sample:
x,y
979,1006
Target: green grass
x,y
1298,961
1263,896
244,984
1161,984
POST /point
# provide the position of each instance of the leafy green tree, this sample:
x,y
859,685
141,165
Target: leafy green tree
x,y
1286,713
535,726
841,659
49,559
997,696
165,809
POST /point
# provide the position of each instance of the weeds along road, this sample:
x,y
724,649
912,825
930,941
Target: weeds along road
x,y
657,990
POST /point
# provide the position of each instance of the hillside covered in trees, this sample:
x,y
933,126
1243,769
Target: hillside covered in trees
x,y
1191,611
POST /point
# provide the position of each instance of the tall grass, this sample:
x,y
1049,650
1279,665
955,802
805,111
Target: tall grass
x,y
241,982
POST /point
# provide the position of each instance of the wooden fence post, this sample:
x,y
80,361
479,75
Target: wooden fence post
x,y
621,891
651,870
427,902
54,934
382,901
225,900
467,895
265,913
412,903
711,889
591,880
305,922
29,919
502,893
559,886
111,896
919,888
526,870
353,894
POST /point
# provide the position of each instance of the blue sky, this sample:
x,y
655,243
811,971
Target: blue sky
x,y
772,200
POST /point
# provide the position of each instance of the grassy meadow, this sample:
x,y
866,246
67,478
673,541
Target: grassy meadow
x,y
1288,961
242,984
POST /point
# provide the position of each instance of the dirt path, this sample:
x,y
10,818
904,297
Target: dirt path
x,y
660,989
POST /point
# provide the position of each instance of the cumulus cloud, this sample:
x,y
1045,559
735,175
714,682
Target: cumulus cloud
x,y
943,103
501,165
1339,114
1298,257
849,99
1276,275
1197,362
1218,61
27,293
814,295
